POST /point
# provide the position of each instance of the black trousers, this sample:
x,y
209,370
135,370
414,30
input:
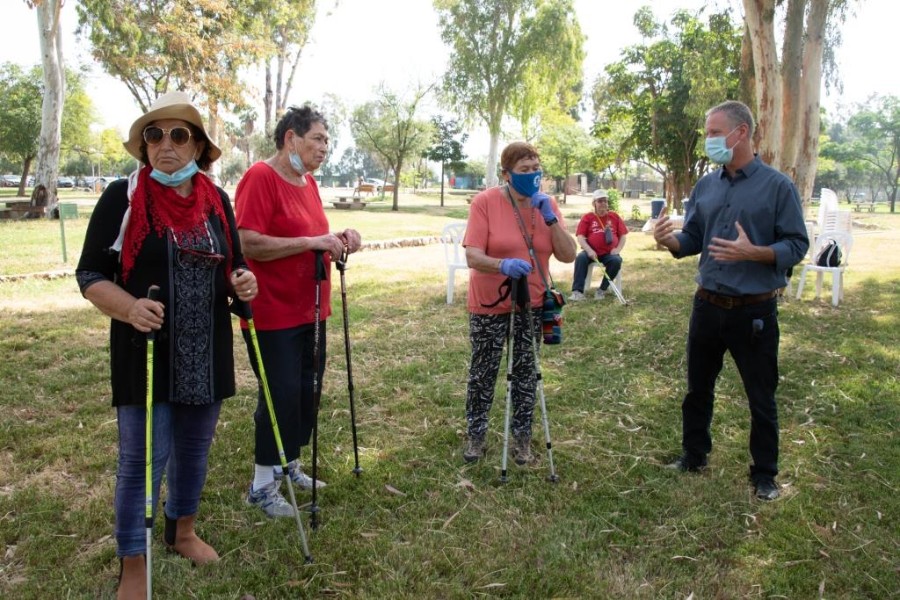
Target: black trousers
x,y
288,360
750,334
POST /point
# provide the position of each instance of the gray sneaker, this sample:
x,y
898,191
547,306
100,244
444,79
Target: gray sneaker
x,y
270,501
599,294
300,479
576,296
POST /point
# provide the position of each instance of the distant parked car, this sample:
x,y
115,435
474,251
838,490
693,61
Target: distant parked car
x,y
10,180
65,182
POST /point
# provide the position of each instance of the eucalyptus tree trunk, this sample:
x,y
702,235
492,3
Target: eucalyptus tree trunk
x,y
791,69
810,95
490,175
760,17
47,171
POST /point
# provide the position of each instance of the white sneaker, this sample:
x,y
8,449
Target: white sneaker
x,y
599,294
576,296
300,479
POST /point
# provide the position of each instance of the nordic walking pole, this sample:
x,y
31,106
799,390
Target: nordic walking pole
x,y
342,266
612,284
553,477
317,388
152,294
243,310
510,340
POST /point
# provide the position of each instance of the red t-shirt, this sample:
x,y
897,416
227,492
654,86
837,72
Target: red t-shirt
x,y
267,204
593,228
494,228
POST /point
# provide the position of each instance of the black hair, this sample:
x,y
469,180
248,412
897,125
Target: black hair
x,y
299,120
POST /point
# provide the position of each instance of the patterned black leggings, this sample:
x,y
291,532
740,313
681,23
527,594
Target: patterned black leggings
x,y
488,334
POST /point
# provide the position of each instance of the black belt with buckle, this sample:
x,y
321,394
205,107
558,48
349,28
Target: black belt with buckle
x,y
734,301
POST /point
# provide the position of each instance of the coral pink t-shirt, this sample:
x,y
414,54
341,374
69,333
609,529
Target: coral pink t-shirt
x,y
493,228
267,204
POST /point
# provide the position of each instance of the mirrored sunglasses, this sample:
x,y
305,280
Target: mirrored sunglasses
x,y
180,136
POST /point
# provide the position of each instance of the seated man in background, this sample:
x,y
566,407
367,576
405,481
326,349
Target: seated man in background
x,y
601,235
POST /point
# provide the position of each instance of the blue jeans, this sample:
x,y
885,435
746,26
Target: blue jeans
x,y
182,435
713,331
611,262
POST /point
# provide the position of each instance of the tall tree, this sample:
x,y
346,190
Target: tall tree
x,y
787,91
872,138
47,172
389,127
446,148
509,57
661,89
21,106
565,149
285,26
154,46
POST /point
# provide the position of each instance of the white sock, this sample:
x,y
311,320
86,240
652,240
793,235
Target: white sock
x,y
277,468
262,476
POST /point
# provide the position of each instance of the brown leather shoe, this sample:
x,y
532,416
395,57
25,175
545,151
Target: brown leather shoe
x,y
180,538
132,578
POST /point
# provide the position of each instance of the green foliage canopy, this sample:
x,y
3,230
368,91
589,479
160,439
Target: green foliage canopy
x,y
662,88
510,57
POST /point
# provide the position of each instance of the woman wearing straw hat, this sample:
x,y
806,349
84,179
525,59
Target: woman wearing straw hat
x,y
169,226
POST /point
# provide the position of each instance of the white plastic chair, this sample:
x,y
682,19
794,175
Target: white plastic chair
x,y
844,241
454,254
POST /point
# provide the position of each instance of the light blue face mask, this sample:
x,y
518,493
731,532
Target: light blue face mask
x,y
527,184
178,177
717,149
297,164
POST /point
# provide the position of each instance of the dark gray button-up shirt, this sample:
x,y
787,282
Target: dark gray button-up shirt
x,y
766,204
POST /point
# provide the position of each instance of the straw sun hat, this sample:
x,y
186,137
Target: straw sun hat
x,y
173,105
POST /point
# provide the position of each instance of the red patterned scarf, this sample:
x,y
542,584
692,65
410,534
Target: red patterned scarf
x,y
169,210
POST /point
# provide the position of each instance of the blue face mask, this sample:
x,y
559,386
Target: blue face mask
x,y
178,177
717,149
296,163
527,184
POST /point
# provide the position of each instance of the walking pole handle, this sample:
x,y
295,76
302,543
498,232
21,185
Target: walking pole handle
x,y
152,294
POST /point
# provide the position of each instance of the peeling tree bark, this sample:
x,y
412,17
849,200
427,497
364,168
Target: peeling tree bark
x,y
760,17
47,171
810,95
791,69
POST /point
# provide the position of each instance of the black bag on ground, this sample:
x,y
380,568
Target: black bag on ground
x,y
829,255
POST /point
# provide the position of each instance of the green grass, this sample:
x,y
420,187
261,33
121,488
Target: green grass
x,y
616,525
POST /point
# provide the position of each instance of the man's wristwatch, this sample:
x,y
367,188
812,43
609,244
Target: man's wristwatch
x,y
552,221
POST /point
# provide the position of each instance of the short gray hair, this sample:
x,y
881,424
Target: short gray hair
x,y
738,114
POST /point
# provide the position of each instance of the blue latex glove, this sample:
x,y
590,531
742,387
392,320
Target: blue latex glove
x,y
542,202
515,267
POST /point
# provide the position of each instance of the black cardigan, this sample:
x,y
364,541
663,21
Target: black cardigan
x,y
128,347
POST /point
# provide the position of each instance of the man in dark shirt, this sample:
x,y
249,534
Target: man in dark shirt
x,y
747,225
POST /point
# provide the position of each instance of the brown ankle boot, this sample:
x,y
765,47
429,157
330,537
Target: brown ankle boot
x,y
132,578
180,537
